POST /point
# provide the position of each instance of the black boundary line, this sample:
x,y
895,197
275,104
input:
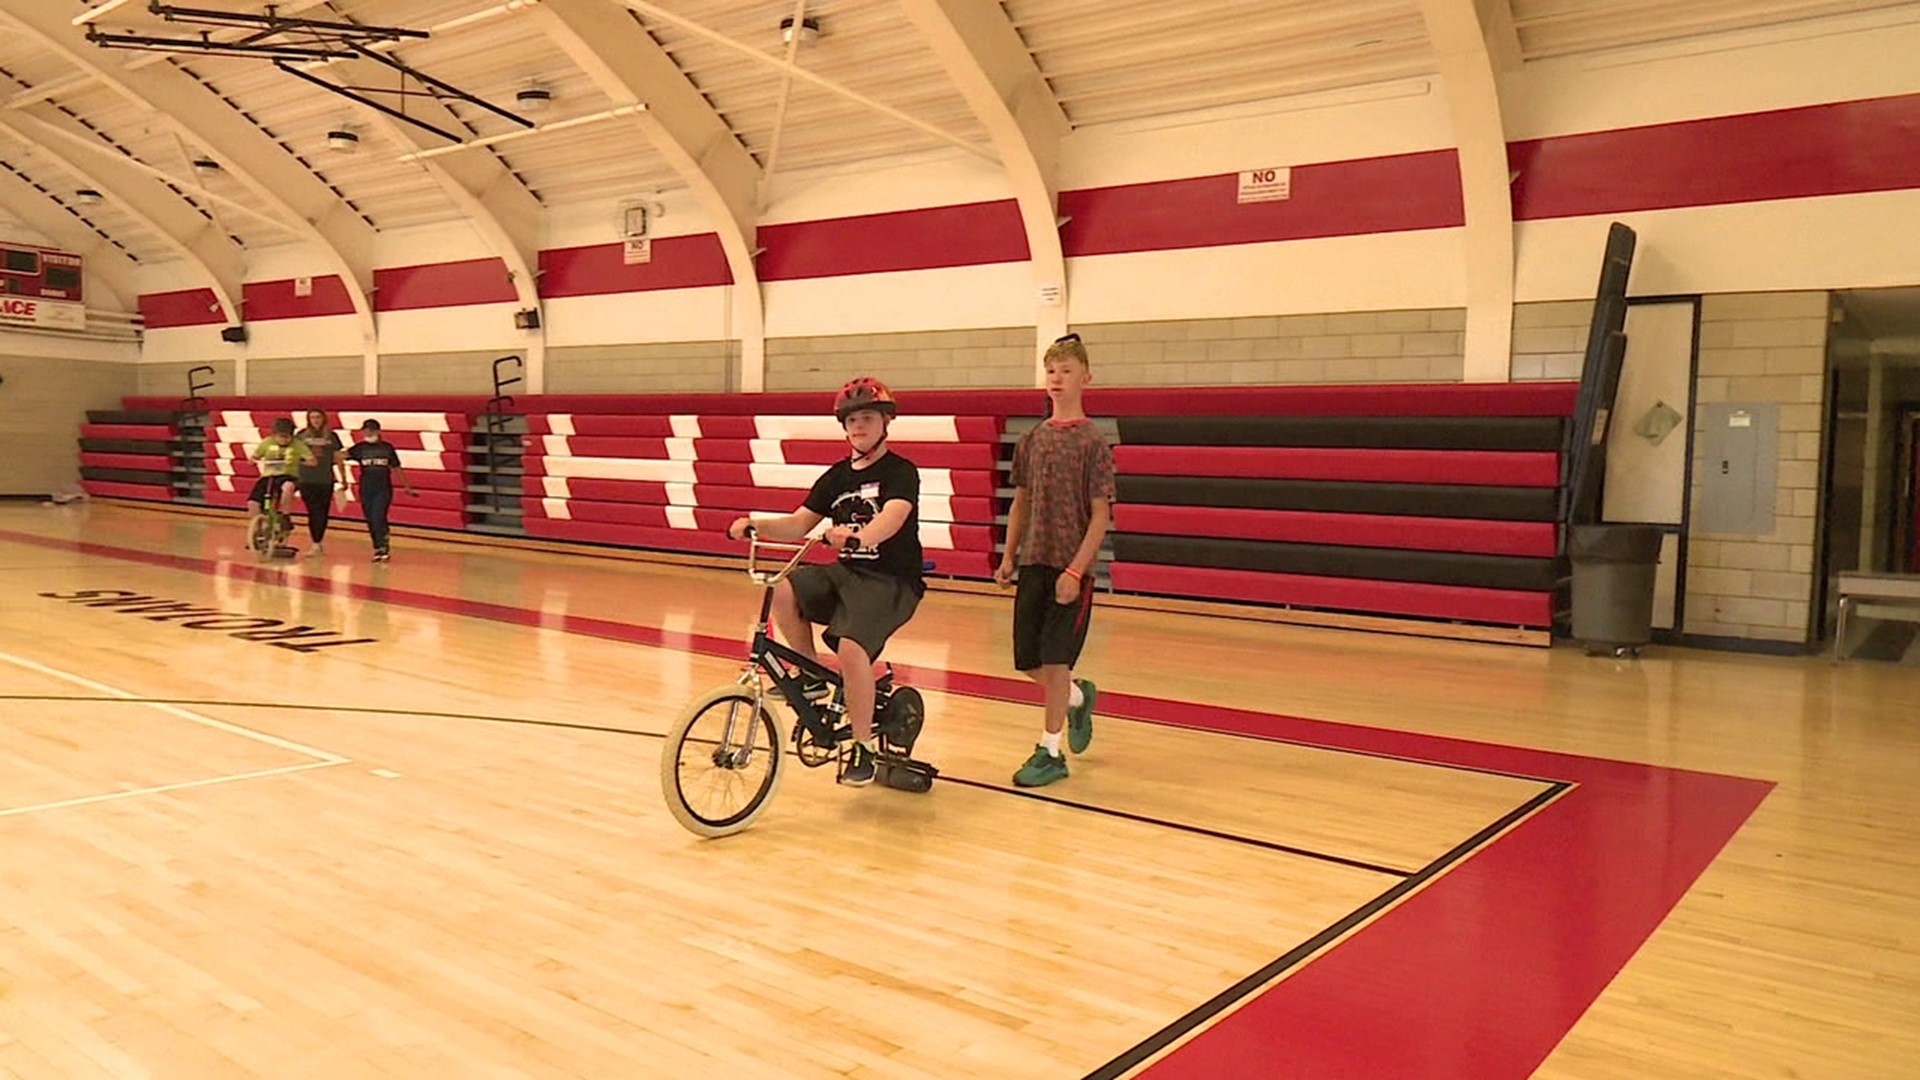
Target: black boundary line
x,y
1232,995
1175,826
1197,830
132,556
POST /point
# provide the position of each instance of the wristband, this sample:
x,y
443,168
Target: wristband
x,y
1072,573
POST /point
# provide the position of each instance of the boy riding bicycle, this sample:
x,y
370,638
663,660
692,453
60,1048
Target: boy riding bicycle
x,y
279,455
871,498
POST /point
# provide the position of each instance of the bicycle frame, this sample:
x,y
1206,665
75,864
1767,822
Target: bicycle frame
x,y
769,659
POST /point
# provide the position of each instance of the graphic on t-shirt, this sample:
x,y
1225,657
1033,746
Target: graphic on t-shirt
x,y
858,507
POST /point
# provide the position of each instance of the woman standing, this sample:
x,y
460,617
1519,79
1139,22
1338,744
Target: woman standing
x,y
317,480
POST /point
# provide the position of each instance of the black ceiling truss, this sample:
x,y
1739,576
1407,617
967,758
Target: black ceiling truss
x,y
284,40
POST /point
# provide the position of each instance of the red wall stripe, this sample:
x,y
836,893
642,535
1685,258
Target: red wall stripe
x,y
973,234
187,307
434,285
1340,198
265,301
1837,149
679,262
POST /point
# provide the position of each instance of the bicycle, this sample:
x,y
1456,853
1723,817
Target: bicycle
x,y
272,528
744,756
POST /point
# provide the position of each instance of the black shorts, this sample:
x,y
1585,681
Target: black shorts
x,y
259,492
1045,632
858,605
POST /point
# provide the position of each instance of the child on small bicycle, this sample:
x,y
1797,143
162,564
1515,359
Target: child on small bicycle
x,y
871,497
279,455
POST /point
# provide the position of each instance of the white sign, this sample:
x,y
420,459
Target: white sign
x,y
1266,185
51,314
638,249
303,286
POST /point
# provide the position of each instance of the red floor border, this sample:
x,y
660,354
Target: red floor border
x,y
1479,975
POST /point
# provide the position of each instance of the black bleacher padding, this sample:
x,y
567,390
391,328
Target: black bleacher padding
x,y
129,416
1348,432
125,446
1323,560
126,476
1341,496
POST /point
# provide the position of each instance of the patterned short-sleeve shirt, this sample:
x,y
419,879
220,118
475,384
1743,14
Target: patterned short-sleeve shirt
x,y
1064,467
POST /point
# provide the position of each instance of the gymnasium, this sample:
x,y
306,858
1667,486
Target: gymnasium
x,y
1499,644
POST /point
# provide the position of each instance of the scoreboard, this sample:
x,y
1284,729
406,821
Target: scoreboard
x,y
41,287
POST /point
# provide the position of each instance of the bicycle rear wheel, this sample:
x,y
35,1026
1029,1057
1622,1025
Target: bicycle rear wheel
x,y
721,763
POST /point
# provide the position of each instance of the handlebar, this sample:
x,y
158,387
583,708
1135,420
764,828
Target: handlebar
x,y
798,551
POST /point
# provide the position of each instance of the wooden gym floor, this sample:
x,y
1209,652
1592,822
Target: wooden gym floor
x,y
332,819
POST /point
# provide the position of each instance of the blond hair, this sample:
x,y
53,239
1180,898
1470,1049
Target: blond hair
x,y
1068,347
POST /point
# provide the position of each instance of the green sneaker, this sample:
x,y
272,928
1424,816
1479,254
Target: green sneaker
x,y
1041,769
1080,717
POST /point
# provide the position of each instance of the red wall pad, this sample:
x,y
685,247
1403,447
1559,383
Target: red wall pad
x,y
1489,467
1525,538
1505,607
791,452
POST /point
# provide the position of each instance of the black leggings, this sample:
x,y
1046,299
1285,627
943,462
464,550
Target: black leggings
x,y
319,500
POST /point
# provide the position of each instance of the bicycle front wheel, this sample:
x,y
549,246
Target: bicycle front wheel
x,y
721,763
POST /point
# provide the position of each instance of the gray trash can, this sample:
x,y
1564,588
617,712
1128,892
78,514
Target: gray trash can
x,y
1613,578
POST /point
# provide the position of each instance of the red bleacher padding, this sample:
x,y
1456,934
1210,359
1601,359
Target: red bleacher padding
x,y
623,427
1412,399
934,534
399,440
1527,538
960,508
1506,607
968,564
445,491
1496,468
110,489
925,455
411,461
797,478
148,462
141,432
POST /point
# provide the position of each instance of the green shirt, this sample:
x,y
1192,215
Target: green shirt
x,y
277,460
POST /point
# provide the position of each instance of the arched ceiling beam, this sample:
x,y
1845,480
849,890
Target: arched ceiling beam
x,y
991,67
1465,40
631,68
52,219
304,203
188,234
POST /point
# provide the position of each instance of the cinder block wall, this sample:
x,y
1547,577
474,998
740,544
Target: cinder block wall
x,y
1760,348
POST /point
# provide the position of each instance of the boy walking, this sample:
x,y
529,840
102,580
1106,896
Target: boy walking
x,y
1062,506
379,463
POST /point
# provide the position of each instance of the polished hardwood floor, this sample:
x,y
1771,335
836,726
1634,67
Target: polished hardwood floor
x,y
433,843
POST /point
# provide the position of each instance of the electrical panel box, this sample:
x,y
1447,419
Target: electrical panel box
x,y
1739,468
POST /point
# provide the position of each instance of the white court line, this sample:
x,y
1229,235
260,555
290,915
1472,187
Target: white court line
x,y
321,758
130,793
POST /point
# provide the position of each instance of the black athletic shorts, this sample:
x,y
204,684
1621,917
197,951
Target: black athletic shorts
x,y
1045,632
260,488
860,605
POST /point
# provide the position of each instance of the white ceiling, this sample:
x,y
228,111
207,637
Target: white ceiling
x,y
1104,60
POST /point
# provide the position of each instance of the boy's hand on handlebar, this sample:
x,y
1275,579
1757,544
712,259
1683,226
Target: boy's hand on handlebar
x,y
842,538
740,528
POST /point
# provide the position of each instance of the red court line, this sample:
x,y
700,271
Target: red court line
x,y
1479,975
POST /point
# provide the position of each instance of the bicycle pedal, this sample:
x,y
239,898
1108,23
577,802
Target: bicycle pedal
x,y
904,773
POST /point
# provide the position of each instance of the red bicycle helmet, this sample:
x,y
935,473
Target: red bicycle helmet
x,y
865,392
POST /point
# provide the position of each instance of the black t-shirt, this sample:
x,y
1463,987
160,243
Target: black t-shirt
x,y
845,495
324,444
376,460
